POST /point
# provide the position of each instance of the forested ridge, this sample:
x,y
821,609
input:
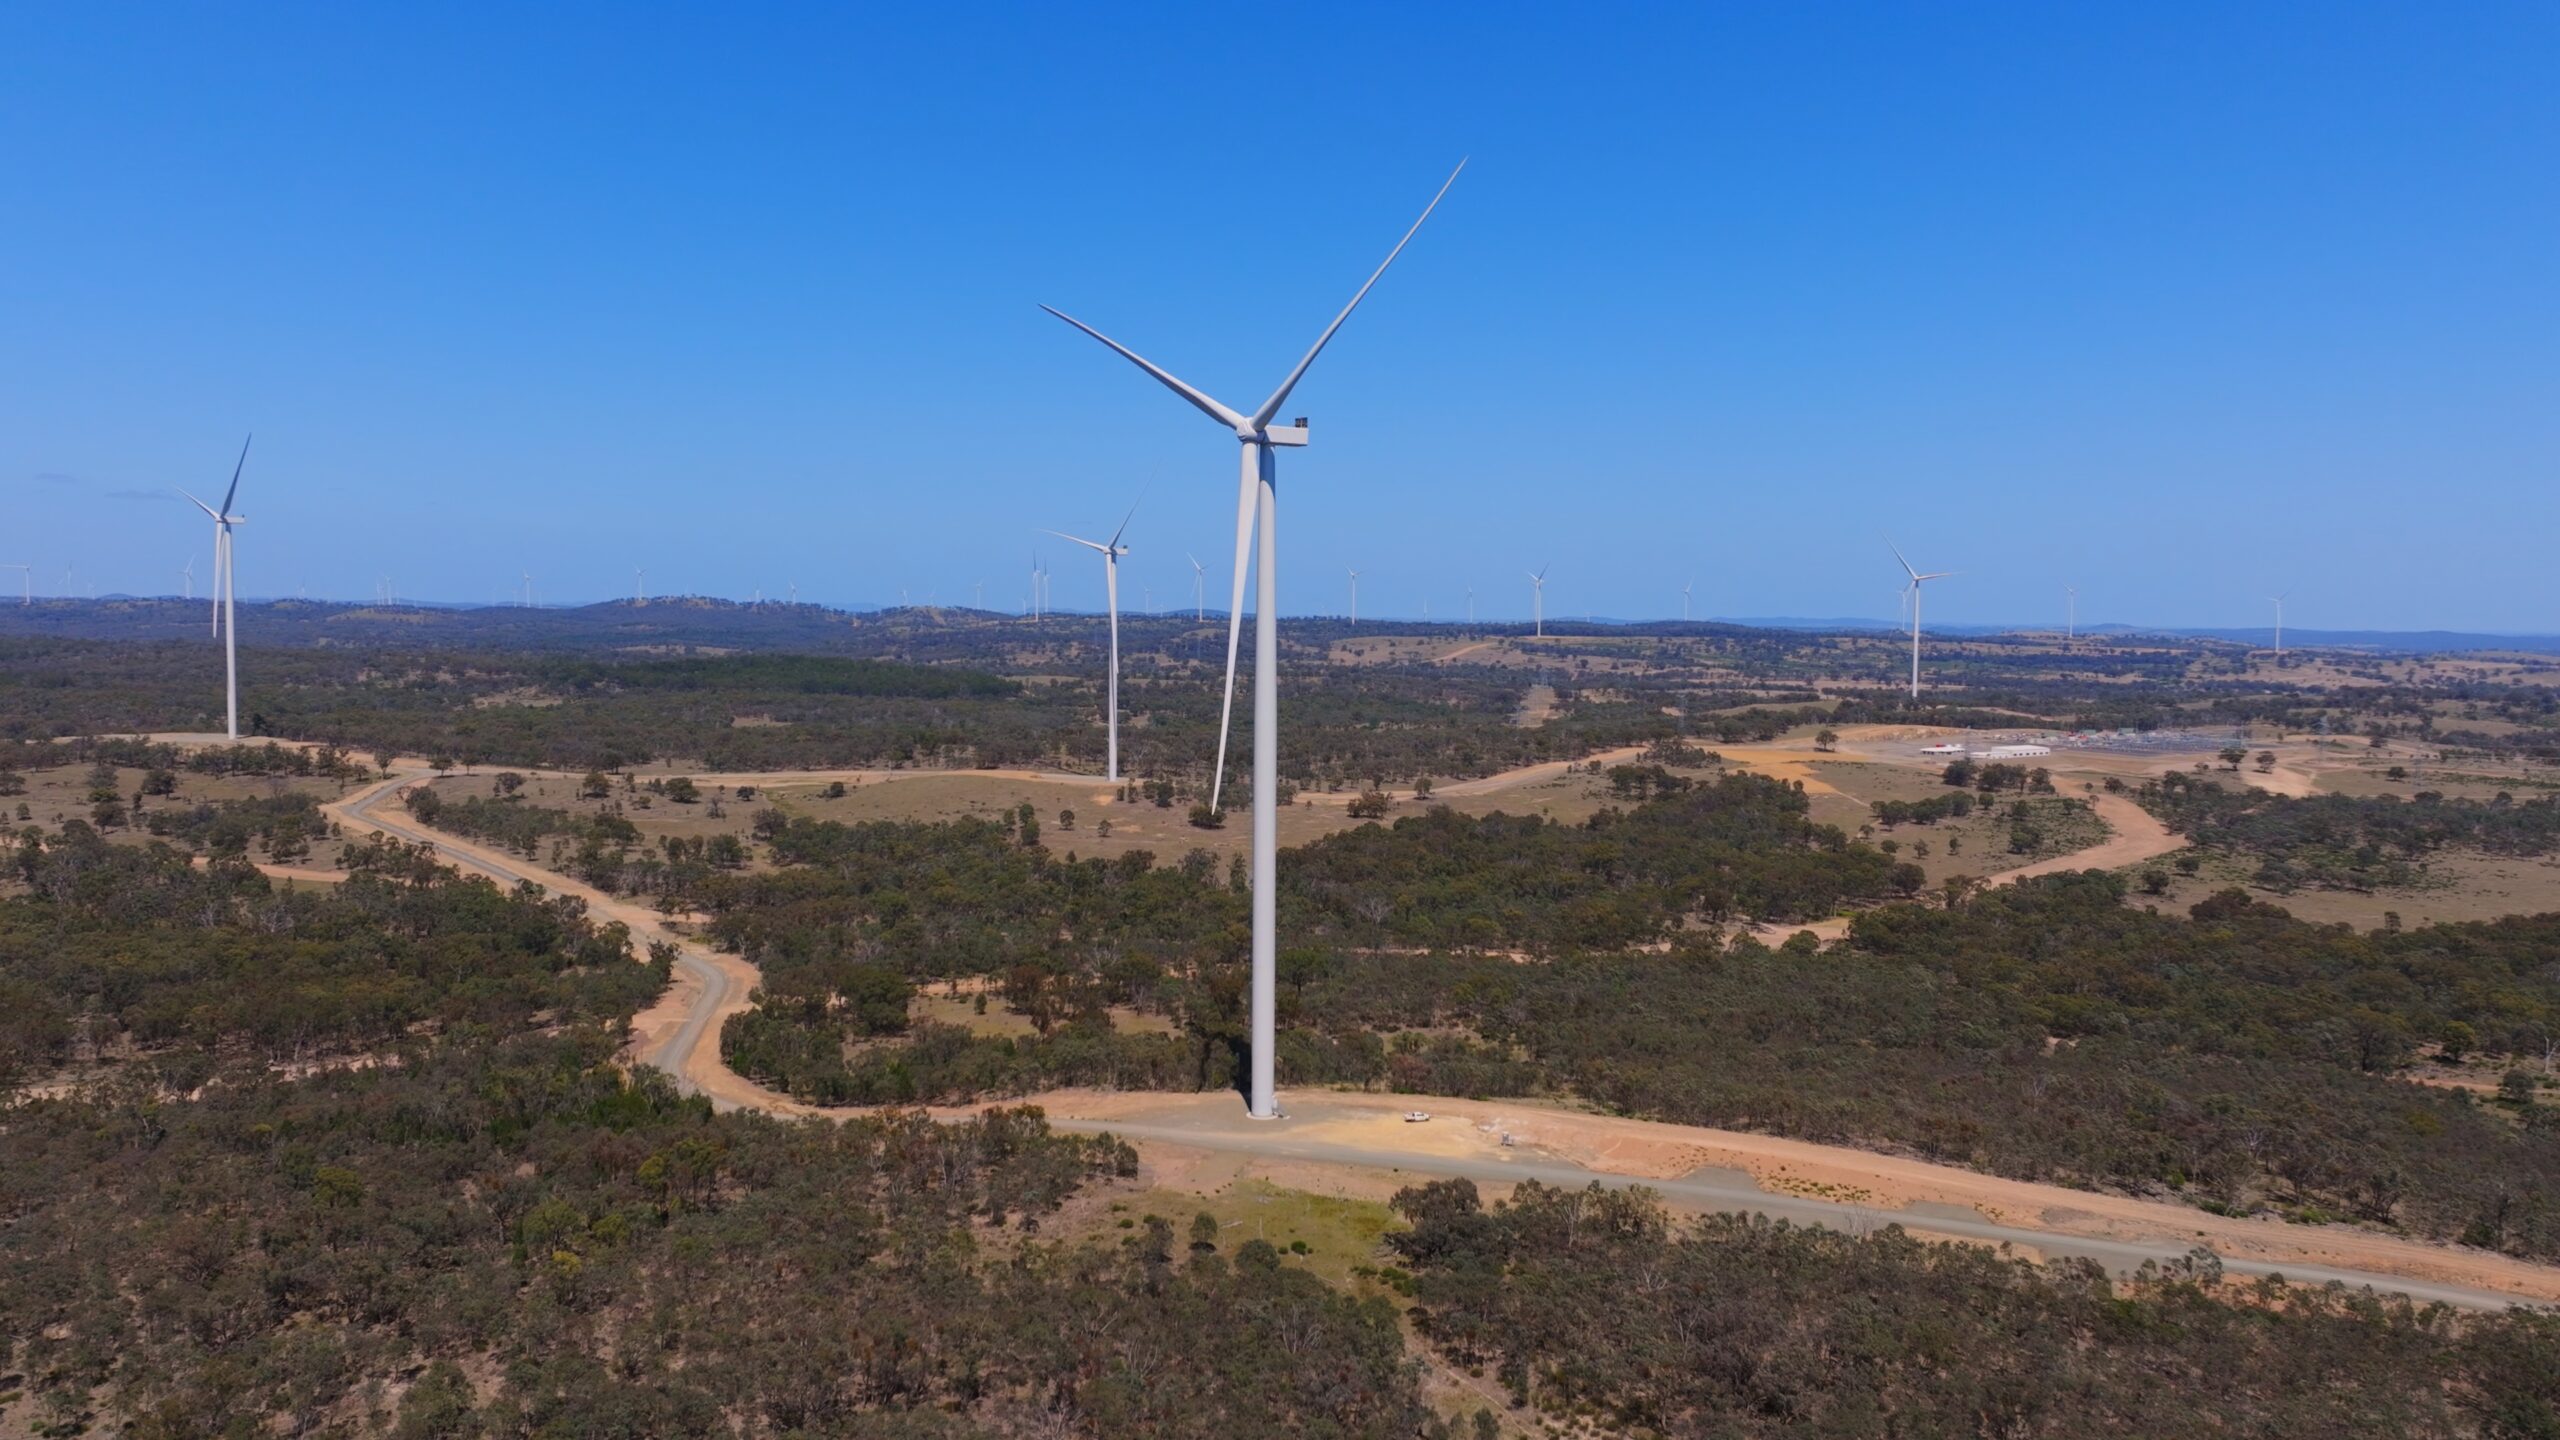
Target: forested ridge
x,y
112,947
2235,1058
1596,1305
2351,842
489,1228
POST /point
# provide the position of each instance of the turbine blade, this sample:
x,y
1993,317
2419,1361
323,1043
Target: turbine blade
x,y
1079,540
1245,498
1207,406
233,493
1280,396
1124,522
210,513
1897,554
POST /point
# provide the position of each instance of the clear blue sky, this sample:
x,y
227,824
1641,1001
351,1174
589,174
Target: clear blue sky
x,y
2187,303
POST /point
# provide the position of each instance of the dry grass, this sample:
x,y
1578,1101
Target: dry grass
x,y
62,793
2461,885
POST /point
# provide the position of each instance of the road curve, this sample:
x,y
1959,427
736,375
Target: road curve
x,y
1719,1194
708,987
711,986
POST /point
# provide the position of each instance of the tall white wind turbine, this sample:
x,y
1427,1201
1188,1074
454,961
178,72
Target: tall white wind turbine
x,y
1258,514
2070,614
1111,552
1355,594
1538,601
226,618
1916,579
1199,588
187,579
2279,604
1684,600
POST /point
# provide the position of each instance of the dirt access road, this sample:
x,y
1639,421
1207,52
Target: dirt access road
x,y
1362,1140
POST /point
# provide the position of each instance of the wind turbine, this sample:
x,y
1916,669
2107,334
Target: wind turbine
x,y
2279,603
1684,600
1258,514
226,618
1538,600
1111,553
1355,595
187,576
2070,614
1471,604
1199,585
639,586
1916,578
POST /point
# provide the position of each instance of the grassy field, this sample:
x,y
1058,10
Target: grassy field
x,y
62,793
952,795
2461,885
1340,1236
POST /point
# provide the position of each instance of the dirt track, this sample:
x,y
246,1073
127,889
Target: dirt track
x,y
1353,1136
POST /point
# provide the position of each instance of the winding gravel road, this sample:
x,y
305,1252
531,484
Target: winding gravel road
x,y
710,986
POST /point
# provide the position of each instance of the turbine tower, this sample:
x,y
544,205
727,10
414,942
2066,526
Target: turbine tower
x,y
1355,595
2279,604
1258,514
1914,592
1538,600
187,578
2070,614
1684,600
1199,588
639,586
1471,604
226,618
1111,553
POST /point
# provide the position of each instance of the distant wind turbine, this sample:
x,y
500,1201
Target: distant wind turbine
x,y
187,578
226,619
1471,604
1916,579
1538,600
1257,512
1199,588
528,589
1355,595
1111,552
1684,600
639,586
2279,604
2070,614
